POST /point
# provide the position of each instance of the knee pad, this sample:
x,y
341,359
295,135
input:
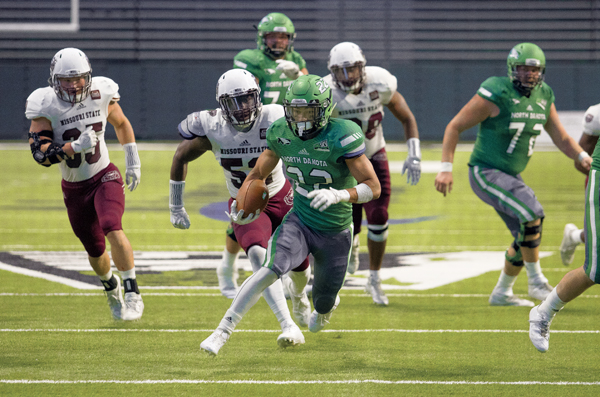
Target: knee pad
x,y
323,303
531,231
378,215
378,233
256,255
230,233
517,259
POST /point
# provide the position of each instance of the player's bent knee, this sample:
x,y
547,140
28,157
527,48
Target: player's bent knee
x,y
532,233
379,216
378,233
256,255
324,304
517,258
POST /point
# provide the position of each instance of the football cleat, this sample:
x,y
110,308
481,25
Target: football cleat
x,y
134,307
115,300
319,321
290,336
373,288
568,245
214,342
500,299
354,261
227,280
300,303
539,329
540,290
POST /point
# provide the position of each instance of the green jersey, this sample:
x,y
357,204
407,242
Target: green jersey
x,y
273,83
319,163
506,142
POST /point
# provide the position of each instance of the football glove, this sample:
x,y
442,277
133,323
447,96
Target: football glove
x,y
289,68
323,198
412,164
179,217
87,140
236,216
132,166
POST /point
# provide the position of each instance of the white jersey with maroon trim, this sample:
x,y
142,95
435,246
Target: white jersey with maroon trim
x,y
366,107
236,151
591,121
69,121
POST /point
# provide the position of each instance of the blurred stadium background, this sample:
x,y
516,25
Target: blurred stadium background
x,y
167,55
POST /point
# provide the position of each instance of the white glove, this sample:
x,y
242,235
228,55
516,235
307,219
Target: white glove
x,y
87,140
179,217
236,216
289,68
132,166
413,162
323,198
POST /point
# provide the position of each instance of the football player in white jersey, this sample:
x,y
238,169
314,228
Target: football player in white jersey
x,y
236,134
68,121
361,93
572,235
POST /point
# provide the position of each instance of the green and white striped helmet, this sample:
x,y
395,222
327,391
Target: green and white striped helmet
x,y
527,54
308,105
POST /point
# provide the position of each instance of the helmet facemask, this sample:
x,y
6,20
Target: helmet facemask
x,y
349,78
241,110
306,119
274,51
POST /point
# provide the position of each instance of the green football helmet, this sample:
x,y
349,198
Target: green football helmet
x,y
275,22
527,54
308,106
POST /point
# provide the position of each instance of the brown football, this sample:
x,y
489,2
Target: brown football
x,y
252,196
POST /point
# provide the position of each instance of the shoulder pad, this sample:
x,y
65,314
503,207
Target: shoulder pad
x,y
195,123
106,86
591,121
39,103
493,88
273,111
382,78
245,59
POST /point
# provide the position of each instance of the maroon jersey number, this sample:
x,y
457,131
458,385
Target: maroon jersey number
x,y
90,158
374,122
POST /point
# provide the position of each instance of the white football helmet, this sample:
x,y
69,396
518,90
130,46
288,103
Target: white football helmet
x,y
70,63
347,66
238,95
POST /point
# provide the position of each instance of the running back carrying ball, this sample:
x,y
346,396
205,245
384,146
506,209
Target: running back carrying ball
x,y
252,196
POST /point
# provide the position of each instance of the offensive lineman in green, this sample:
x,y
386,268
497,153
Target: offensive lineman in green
x,y
325,158
274,64
511,113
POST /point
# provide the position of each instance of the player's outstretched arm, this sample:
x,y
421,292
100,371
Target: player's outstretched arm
x,y
473,113
126,137
362,170
587,143
265,164
565,142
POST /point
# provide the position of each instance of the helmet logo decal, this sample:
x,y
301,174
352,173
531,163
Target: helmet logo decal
x,y
514,54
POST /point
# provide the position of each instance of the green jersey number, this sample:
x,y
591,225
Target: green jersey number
x,y
274,95
314,173
519,127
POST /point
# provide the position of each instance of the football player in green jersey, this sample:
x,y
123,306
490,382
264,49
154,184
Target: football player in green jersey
x,y
275,65
511,113
325,158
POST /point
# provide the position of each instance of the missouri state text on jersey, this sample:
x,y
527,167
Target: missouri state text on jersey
x,y
69,121
319,163
366,107
236,151
506,142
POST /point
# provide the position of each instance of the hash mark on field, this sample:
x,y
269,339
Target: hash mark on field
x,y
301,382
258,331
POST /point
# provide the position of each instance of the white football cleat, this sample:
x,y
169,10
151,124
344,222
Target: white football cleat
x,y
540,290
500,299
319,321
568,245
354,261
214,342
115,300
539,329
227,280
373,288
300,303
134,307
290,336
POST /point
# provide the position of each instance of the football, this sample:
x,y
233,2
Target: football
x,y
252,196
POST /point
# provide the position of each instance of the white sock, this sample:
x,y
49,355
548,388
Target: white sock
x,y
273,294
229,258
576,236
505,283
107,276
299,280
534,273
374,274
247,297
128,273
552,304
